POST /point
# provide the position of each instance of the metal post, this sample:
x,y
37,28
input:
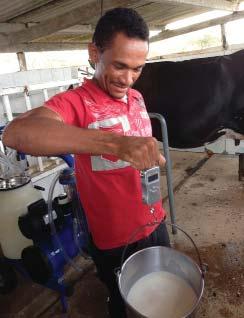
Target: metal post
x,y
164,132
7,107
40,164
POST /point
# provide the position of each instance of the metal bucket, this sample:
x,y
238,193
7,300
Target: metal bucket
x,y
167,263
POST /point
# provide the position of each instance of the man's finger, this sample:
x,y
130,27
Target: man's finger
x,y
162,161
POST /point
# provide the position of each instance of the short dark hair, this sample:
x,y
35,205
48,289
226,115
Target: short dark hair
x,y
124,20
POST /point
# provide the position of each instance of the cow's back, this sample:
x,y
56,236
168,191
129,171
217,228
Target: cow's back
x,y
191,95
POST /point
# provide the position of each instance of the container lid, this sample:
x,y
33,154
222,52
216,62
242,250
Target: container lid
x,y
13,183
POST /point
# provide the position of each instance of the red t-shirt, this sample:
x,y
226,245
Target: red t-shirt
x,y
109,189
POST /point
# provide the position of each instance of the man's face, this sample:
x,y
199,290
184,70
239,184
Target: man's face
x,y
119,66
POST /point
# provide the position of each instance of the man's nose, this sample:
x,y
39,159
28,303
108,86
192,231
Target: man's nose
x,y
127,78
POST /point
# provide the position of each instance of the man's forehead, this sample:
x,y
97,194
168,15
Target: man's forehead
x,y
120,37
129,64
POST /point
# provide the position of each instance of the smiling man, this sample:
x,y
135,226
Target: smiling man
x,y
119,63
105,124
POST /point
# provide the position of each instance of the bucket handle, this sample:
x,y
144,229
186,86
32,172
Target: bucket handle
x,y
203,266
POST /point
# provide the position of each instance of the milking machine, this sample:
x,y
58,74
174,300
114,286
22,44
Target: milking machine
x,y
39,238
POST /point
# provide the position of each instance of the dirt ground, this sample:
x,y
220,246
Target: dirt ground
x,y
209,206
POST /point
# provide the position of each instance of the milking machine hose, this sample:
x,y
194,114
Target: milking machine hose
x,y
52,225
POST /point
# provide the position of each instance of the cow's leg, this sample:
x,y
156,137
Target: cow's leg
x,y
241,167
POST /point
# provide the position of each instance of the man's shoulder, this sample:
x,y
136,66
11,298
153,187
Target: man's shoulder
x,y
135,93
136,97
73,94
75,91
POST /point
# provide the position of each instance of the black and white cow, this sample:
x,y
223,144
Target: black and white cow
x,y
201,99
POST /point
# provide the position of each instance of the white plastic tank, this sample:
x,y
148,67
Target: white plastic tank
x,y
15,196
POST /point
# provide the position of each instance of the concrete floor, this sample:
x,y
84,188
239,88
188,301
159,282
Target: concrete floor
x,y
209,206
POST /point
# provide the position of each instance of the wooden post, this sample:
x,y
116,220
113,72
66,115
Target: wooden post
x,y
223,37
22,61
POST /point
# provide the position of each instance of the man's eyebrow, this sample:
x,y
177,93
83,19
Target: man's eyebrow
x,y
127,66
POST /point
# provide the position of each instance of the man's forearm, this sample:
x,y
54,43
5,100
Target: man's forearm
x,y
41,132
44,136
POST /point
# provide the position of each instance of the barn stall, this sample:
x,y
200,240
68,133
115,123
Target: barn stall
x,y
208,194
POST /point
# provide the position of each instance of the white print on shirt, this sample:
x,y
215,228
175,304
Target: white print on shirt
x,y
144,115
141,102
110,122
98,162
109,118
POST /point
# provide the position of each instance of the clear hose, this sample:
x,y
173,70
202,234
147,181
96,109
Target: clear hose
x,y
52,225
76,229
9,169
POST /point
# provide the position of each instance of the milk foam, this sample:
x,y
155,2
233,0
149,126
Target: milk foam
x,y
162,294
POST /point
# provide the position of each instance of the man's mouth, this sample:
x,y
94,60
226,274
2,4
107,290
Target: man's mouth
x,y
119,86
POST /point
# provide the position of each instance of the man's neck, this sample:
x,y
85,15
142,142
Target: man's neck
x,y
124,99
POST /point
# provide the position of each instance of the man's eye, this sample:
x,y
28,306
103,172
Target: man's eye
x,y
137,70
119,67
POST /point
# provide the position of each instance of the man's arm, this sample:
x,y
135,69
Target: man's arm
x,y
41,131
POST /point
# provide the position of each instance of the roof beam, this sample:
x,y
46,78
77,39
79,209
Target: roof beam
x,y
14,27
11,27
37,47
166,34
76,30
211,4
63,21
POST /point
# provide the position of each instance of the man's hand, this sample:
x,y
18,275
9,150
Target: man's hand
x,y
141,152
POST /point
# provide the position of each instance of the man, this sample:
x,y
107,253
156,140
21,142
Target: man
x,y
105,124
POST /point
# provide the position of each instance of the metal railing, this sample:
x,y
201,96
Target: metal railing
x,y
6,94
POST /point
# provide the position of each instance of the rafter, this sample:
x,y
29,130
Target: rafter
x,y
76,30
211,4
11,27
165,34
37,47
63,21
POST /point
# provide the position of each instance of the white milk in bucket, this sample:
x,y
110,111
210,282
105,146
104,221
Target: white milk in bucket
x,y
162,294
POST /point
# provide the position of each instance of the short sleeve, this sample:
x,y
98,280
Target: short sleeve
x,y
70,106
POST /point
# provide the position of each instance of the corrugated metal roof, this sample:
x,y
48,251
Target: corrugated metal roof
x,y
50,9
14,8
28,11
47,12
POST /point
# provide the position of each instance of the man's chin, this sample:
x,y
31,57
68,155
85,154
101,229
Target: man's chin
x,y
118,95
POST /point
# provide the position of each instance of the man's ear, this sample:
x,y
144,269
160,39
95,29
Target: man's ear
x,y
93,53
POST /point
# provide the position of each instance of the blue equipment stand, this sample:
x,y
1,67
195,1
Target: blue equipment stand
x,y
54,250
